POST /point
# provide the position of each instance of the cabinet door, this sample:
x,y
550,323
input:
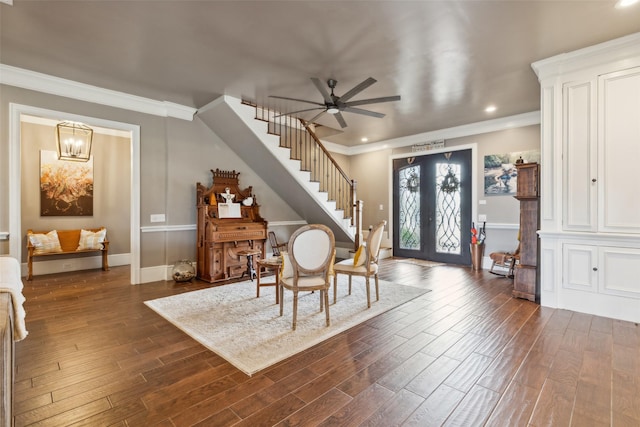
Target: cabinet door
x,y
619,271
580,157
619,151
580,267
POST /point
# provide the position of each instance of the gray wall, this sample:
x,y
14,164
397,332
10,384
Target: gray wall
x,y
372,171
175,154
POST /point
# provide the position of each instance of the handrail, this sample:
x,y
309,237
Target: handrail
x,y
315,137
305,146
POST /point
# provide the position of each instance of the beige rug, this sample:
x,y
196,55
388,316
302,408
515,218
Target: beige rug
x,y
249,332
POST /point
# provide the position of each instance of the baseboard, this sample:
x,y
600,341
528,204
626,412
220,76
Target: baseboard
x,y
385,253
155,274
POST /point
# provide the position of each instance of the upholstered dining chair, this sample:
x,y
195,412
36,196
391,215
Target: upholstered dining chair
x,y
364,263
307,266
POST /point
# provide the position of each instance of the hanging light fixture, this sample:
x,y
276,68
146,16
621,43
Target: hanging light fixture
x,y
74,141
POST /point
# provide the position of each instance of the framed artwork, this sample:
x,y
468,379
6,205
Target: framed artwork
x,y
500,173
66,187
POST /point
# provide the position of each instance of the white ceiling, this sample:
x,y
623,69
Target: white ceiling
x,y
448,60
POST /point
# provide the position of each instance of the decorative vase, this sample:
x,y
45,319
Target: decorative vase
x,y
183,271
477,252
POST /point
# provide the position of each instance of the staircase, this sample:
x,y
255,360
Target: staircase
x,y
287,155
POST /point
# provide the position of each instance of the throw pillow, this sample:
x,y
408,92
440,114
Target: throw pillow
x,y
90,240
286,269
359,257
45,243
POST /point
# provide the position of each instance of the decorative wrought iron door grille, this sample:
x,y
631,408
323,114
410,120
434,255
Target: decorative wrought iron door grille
x,y
448,230
409,212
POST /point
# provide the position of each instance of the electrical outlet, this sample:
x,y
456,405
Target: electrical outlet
x,y
482,218
67,266
381,207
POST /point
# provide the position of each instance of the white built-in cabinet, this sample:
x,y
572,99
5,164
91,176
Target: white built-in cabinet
x,y
590,164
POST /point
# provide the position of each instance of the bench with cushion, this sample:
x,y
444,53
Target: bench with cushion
x,y
61,242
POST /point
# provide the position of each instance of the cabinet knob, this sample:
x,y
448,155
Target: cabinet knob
x,y
595,268
593,180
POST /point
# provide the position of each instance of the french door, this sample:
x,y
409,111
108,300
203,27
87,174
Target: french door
x,y
432,207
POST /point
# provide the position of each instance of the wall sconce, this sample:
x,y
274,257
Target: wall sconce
x,y
74,141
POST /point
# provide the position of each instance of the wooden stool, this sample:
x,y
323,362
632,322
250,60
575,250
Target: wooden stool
x,y
250,270
269,264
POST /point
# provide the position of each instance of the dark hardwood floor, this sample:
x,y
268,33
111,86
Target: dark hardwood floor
x,y
465,354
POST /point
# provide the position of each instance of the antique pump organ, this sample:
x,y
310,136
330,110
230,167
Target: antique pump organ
x,y
228,225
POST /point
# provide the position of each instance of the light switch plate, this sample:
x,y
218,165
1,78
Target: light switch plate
x,y
157,218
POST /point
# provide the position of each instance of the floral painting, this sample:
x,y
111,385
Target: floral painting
x,y
500,174
66,187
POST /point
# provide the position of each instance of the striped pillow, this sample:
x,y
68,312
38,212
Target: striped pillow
x,y
90,240
45,243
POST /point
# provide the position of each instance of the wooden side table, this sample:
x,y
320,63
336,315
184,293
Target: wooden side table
x,y
269,264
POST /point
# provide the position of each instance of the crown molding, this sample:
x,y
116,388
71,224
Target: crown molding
x,y
494,125
625,49
26,79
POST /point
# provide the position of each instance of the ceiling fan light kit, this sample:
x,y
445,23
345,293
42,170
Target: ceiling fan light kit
x,y
335,105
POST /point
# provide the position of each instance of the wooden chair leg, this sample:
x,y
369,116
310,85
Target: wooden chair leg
x,y
326,306
350,284
295,309
377,289
368,292
335,287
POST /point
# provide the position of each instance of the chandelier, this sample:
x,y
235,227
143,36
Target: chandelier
x,y
74,141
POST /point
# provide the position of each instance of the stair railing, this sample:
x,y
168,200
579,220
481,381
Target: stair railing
x,y
299,136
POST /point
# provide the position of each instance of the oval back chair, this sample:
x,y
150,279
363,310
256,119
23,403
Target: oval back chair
x,y
310,255
365,263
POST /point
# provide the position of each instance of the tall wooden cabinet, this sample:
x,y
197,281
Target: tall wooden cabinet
x,y
590,210
525,275
221,238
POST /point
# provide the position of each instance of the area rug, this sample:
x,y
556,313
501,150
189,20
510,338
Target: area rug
x,y
250,334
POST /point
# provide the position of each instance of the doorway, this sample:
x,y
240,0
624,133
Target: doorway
x,y
432,206
16,111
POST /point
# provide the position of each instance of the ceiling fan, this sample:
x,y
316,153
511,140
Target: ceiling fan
x,y
335,105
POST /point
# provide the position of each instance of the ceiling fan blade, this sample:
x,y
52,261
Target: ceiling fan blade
x,y
298,111
315,117
325,95
363,112
373,101
357,89
340,120
296,99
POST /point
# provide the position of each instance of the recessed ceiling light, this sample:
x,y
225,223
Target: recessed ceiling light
x,y
364,139
490,109
625,3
